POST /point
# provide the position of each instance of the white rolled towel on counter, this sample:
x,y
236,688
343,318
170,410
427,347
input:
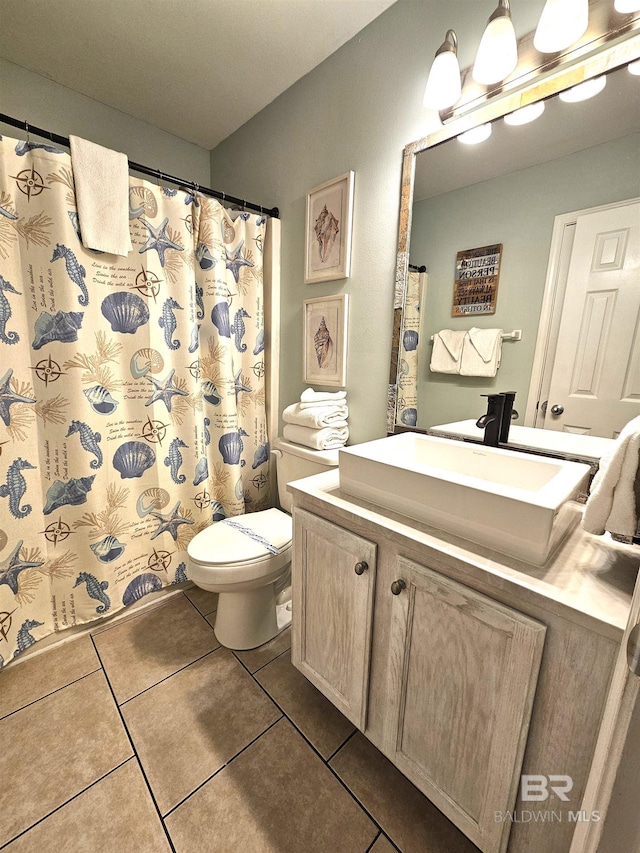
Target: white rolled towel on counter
x,y
327,438
309,397
612,501
316,417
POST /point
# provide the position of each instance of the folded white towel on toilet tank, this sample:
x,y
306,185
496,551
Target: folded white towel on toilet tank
x,y
316,417
327,438
309,397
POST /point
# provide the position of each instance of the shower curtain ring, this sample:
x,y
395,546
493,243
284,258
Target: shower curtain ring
x,y
26,127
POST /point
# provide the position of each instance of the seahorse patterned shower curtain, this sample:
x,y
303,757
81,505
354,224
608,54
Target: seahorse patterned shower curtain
x,y
132,400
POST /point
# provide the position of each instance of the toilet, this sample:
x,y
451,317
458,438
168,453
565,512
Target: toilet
x,y
247,559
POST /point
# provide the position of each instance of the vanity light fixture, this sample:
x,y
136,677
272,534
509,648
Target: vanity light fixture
x,y
525,114
497,54
626,6
443,87
475,135
561,24
583,91
634,68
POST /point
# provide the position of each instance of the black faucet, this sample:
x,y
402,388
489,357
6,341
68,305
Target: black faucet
x,y
507,415
491,423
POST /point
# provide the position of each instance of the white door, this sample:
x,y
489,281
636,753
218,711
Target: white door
x,y
595,386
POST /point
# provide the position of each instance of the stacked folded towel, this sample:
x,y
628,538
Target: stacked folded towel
x,y
318,421
612,502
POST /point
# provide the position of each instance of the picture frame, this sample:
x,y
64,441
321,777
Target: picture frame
x,y
324,340
328,227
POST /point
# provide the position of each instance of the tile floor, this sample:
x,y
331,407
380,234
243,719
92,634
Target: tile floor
x,y
147,736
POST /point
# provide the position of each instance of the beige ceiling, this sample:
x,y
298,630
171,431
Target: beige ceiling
x,y
196,68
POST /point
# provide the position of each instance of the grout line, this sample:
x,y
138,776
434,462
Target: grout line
x,y
220,769
66,803
135,753
344,743
51,692
321,757
373,842
167,677
199,612
268,662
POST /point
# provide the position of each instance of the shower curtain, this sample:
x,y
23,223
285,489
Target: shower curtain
x,y
407,401
132,398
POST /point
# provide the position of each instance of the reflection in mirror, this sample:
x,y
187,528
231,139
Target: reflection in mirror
x,y
557,196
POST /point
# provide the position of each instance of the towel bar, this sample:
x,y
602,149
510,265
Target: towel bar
x,y
516,335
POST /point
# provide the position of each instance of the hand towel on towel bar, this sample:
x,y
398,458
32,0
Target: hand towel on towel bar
x,y
327,438
101,178
612,501
316,417
446,352
309,397
481,352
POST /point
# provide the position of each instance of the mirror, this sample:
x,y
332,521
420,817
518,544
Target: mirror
x,y
520,189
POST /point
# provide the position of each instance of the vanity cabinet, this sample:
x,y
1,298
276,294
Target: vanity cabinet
x,y
473,672
462,673
333,595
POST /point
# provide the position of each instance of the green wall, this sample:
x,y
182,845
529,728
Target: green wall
x,y
357,110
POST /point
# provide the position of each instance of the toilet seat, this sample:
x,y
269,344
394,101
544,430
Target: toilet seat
x,y
225,554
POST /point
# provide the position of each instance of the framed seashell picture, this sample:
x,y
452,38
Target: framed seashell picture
x,y
329,217
325,341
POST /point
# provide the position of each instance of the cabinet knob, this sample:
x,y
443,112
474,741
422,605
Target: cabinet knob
x,y
361,567
398,586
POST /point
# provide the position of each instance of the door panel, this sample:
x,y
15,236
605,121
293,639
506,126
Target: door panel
x,y
596,375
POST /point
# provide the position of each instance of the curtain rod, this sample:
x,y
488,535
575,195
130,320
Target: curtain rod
x,y
147,170
417,269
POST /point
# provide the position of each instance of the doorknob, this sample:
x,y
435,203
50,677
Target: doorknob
x,y
557,410
398,586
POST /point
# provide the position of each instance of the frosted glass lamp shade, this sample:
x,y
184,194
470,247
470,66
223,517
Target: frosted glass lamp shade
x,y
525,114
475,135
497,54
627,6
561,24
634,68
443,87
583,91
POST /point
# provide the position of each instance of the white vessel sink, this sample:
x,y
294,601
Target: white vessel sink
x,y
515,503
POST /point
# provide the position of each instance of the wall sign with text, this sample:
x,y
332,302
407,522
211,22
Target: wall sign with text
x,y
476,286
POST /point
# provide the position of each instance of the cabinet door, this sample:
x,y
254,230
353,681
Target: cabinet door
x,y
463,671
333,579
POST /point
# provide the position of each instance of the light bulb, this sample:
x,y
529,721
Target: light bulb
x,y
475,135
497,54
443,87
561,24
525,114
634,67
583,91
626,6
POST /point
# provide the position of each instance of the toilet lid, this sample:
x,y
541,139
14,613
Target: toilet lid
x,y
241,539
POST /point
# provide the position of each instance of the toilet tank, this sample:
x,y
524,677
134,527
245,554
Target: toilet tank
x,y
293,461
